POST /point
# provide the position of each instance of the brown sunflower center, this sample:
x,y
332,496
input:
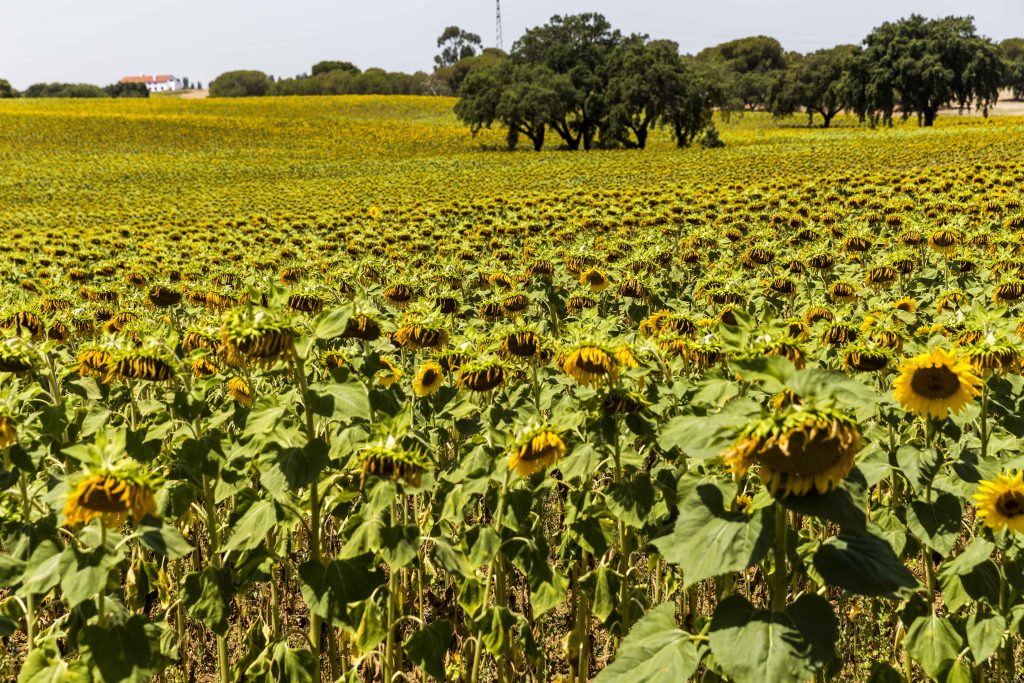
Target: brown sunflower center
x,y
104,496
1010,503
804,455
935,383
429,377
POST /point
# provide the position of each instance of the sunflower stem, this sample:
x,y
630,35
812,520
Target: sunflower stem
x,y
30,612
477,648
984,419
780,576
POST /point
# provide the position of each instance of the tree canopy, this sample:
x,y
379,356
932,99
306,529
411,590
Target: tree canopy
x,y
579,77
922,65
6,90
456,45
244,83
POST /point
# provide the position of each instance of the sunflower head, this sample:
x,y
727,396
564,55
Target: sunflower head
x,y
15,355
866,358
799,449
621,401
388,460
422,335
111,491
521,343
8,434
989,356
482,375
1000,502
147,364
595,279
590,364
429,379
240,390
932,384
256,336
535,450
389,372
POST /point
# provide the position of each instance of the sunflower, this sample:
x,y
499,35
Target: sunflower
x,y
14,355
521,343
798,449
110,495
428,380
907,304
990,357
389,373
388,460
590,364
361,326
595,279
204,366
842,292
535,450
422,336
932,384
139,364
482,376
8,435
256,337
1000,502
866,359
621,401
94,362
240,390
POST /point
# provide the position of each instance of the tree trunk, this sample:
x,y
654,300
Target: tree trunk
x,y
929,116
641,137
538,139
827,116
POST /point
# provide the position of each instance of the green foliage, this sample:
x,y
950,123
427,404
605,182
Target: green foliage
x,y
813,84
922,65
240,84
747,69
6,91
456,45
71,90
328,66
655,649
127,90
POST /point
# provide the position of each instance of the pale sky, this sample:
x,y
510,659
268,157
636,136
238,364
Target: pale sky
x,y
98,41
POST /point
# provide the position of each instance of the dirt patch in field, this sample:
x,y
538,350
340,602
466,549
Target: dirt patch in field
x,y
195,95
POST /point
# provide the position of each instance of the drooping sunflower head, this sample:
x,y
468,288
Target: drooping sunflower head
x,y
389,372
595,279
429,379
15,355
863,358
521,343
933,384
590,364
422,335
482,375
989,356
1000,502
622,401
147,363
256,336
8,433
798,449
112,492
387,459
240,390
536,449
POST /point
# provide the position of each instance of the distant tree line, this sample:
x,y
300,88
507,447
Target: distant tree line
x,y
592,86
75,90
328,78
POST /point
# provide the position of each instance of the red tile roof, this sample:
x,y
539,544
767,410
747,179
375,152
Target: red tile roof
x,y
162,78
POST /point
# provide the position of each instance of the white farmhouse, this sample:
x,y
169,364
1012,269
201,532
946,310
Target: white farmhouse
x,y
157,83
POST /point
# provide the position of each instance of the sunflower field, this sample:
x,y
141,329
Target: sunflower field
x,y
325,389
